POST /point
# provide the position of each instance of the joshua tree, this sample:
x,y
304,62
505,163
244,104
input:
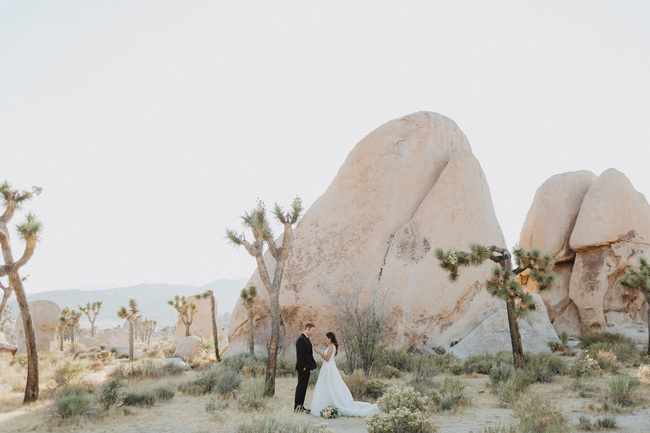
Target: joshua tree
x,y
74,321
504,283
148,326
186,311
92,308
129,315
640,281
248,297
209,294
28,231
64,322
258,223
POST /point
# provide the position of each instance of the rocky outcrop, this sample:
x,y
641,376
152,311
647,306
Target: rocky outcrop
x,y
114,337
45,319
174,363
188,347
608,233
89,342
375,229
493,335
202,323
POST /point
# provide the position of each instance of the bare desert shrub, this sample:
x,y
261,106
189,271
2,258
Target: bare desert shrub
x,y
607,361
110,394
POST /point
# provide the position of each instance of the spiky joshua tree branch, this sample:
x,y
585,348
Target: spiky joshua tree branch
x,y
504,283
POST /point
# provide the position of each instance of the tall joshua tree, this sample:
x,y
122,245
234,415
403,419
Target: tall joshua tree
x,y
29,231
74,321
129,315
640,281
186,311
504,283
64,316
92,308
248,296
209,294
258,223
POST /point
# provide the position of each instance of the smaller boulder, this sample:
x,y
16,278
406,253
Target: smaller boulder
x,y
177,363
114,337
189,347
89,342
493,335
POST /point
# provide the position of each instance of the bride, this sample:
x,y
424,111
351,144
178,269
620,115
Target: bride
x,y
330,389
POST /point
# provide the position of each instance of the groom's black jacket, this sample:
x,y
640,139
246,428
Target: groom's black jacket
x,y
304,354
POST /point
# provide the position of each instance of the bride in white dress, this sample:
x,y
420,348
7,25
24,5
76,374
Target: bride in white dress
x,y
330,389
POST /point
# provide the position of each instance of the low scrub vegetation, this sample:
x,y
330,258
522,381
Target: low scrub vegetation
x,y
284,423
403,409
363,387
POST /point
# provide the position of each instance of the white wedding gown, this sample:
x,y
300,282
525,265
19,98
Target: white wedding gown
x,y
332,391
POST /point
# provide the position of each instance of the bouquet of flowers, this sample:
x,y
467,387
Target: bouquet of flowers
x,y
329,412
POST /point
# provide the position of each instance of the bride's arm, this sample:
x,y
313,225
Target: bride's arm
x,y
329,353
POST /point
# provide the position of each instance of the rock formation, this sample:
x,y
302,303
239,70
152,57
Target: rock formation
x,y
202,324
408,187
114,337
89,342
188,347
5,346
608,232
45,319
493,335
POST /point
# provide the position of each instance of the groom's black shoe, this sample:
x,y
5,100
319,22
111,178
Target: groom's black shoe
x,y
301,409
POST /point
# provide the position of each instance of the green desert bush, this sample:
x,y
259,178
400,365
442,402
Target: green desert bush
x,y
110,394
145,369
543,366
622,390
72,403
508,382
538,415
69,369
251,396
450,394
246,364
363,387
280,423
623,347
286,366
228,381
134,398
204,384
482,364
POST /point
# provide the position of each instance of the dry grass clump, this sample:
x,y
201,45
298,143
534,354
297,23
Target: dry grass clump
x,y
72,404
607,361
251,396
69,369
644,373
145,369
622,391
603,423
280,422
450,394
623,347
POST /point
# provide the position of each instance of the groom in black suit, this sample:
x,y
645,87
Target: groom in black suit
x,y
305,363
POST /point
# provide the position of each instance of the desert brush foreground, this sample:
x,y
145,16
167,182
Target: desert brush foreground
x,y
603,387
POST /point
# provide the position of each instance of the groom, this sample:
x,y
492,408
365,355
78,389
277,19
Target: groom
x,y
305,363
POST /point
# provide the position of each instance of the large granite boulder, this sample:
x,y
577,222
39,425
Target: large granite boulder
x,y
361,230
114,337
188,347
429,309
89,342
202,323
493,335
610,231
45,319
553,214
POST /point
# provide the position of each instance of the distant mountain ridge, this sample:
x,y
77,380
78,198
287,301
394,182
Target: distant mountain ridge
x,y
151,298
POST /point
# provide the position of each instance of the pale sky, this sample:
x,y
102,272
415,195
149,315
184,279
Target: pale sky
x,y
151,126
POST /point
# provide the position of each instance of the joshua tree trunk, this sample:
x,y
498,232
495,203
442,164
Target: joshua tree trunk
x,y
515,337
215,332
131,339
251,330
31,387
187,327
61,331
92,327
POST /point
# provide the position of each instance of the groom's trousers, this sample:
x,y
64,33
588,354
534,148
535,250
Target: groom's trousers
x,y
301,389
